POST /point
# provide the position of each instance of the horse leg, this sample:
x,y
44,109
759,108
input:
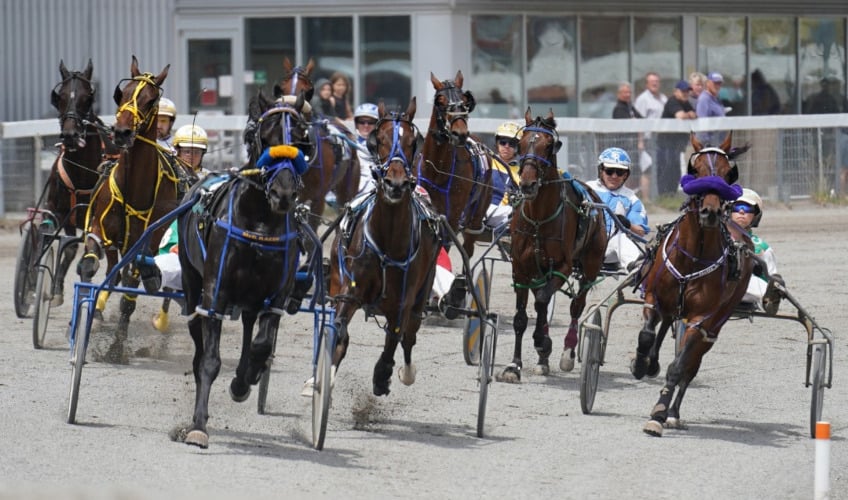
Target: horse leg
x,y
385,364
407,372
68,254
578,304
695,355
207,364
128,300
239,386
512,372
654,353
639,365
541,337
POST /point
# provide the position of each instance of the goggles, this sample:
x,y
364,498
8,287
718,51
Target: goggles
x,y
620,172
744,208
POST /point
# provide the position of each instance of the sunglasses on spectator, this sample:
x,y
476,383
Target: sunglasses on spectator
x,y
366,122
508,142
621,172
744,208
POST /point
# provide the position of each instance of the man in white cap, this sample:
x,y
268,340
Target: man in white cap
x,y
709,106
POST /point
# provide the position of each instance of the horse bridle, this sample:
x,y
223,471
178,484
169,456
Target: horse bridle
x,y
396,153
539,162
297,73
732,175
140,119
459,105
71,112
287,112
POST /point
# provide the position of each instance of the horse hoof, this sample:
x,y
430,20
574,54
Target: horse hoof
x,y
638,367
160,321
308,388
57,300
511,374
675,423
381,389
406,374
197,438
566,361
653,428
653,369
541,370
239,391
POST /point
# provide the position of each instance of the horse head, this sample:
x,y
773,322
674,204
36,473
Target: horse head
x,y
451,107
392,143
277,126
537,151
709,183
296,80
138,104
73,97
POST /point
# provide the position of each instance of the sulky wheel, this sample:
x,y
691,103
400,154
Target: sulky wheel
x,y
322,387
486,369
591,355
80,341
818,383
473,332
262,395
43,296
25,270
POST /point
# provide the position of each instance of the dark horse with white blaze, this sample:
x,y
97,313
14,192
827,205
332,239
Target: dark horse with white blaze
x,y
557,235
138,190
238,249
698,275
383,258
75,172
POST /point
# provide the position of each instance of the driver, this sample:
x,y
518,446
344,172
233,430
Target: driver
x,y
613,170
165,123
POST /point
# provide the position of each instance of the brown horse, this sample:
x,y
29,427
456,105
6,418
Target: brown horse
x,y
453,167
698,275
556,235
383,259
332,164
75,171
138,190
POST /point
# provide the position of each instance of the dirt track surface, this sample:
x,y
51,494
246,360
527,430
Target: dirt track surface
x,y
747,411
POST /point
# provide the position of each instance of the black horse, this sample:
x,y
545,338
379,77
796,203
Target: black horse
x,y
239,248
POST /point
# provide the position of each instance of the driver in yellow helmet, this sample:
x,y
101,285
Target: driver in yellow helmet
x,y
165,122
504,173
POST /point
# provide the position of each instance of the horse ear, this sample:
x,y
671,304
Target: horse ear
x,y
278,92
696,144
728,142
458,80
469,100
63,70
437,84
134,67
381,109
309,67
528,118
88,71
118,95
287,65
410,110
160,78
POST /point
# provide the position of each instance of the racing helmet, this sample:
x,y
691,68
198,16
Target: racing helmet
x,y
366,109
191,136
167,108
509,130
751,197
614,158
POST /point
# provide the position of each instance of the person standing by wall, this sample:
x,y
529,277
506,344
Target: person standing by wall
x,y
623,110
650,104
671,145
323,102
697,80
709,106
341,95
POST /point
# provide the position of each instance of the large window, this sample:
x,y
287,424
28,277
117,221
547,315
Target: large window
x,y
722,48
657,48
386,60
268,40
551,65
822,65
604,63
329,40
496,50
772,66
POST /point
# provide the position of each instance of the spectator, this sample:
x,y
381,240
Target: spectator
x,y
697,80
650,104
764,99
709,106
341,91
732,97
624,109
670,145
323,103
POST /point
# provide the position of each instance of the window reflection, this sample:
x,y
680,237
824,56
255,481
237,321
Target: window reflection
x,y
329,41
551,64
604,51
385,57
496,64
773,65
822,65
267,40
657,48
722,48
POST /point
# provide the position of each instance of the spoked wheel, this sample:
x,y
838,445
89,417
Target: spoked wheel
x,y
80,339
262,395
818,383
473,332
486,370
592,335
322,388
25,270
43,297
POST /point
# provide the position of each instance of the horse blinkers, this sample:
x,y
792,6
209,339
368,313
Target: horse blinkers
x,y
470,102
118,95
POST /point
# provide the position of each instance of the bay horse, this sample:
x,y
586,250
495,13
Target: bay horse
x,y
383,258
332,164
455,168
557,237
238,250
137,190
84,145
699,274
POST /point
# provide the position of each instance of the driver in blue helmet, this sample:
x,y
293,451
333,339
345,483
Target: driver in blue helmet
x,y
613,170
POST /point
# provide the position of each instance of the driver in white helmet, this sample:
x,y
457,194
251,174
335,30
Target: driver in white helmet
x,y
747,212
613,170
365,120
165,122
191,143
